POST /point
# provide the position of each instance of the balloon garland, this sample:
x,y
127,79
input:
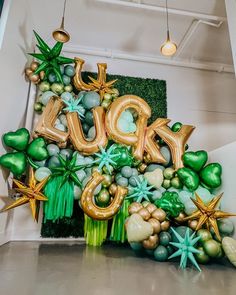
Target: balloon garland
x,y
135,182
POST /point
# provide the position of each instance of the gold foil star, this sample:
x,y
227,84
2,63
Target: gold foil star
x,y
30,194
101,85
207,214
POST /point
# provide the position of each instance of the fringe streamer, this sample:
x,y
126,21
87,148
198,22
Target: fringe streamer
x,y
60,199
118,233
95,231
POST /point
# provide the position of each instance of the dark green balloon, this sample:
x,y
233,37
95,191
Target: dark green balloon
x,y
170,203
189,178
15,162
37,149
211,175
17,140
164,238
161,253
124,157
195,160
176,127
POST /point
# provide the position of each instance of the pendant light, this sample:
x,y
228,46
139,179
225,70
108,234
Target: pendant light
x,y
169,47
60,34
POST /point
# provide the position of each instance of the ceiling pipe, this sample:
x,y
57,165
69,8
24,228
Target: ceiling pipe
x,y
109,53
191,30
196,15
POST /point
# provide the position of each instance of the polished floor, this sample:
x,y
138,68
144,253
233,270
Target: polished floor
x,y
40,268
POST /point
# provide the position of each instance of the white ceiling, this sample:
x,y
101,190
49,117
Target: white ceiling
x,y
132,30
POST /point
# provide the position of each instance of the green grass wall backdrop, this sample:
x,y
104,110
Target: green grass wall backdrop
x,y
153,91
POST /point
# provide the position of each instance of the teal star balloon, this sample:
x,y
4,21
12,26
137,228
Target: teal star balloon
x,y
186,249
105,158
67,169
50,58
73,105
141,191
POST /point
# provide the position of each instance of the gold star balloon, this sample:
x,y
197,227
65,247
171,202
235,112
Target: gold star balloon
x,y
207,214
30,194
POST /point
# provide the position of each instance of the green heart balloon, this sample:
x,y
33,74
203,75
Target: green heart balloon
x,y
211,175
195,160
37,149
15,162
17,140
189,178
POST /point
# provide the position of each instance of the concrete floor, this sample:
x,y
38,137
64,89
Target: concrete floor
x,y
40,268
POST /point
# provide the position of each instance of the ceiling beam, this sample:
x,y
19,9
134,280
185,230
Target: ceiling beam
x,y
180,12
186,63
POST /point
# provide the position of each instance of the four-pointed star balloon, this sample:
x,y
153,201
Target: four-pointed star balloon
x,y
30,194
208,214
50,58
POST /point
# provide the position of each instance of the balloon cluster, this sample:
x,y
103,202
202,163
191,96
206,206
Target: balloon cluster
x,y
94,147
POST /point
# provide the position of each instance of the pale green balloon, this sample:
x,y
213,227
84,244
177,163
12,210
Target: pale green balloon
x,y
81,175
156,195
123,125
132,127
60,127
98,189
152,167
88,160
77,192
53,149
41,163
185,196
63,120
204,194
42,173
189,207
46,96
53,162
67,153
67,96
92,132
165,151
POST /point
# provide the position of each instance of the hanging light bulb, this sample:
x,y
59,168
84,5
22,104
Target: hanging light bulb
x,y
60,34
169,47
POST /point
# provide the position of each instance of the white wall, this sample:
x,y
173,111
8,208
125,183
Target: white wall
x,y
17,40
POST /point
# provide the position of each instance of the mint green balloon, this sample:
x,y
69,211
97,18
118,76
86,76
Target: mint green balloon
x,y
91,100
67,96
53,149
42,173
46,96
189,207
204,193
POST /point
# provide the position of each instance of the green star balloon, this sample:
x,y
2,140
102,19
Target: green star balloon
x,y
185,248
67,169
50,58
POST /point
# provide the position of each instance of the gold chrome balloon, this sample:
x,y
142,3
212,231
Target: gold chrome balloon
x,y
151,242
77,137
31,194
207,214
134,207
144,213
87,199
155,224
159,214
175,140
136,140
100,85
45,126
